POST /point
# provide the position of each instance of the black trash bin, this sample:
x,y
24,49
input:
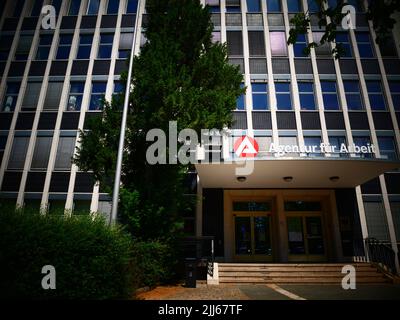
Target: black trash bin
x,y
190,272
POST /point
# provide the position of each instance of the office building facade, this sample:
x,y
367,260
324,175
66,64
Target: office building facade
x,y
310,203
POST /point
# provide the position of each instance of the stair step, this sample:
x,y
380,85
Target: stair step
x,y
300,280
293,274
283,269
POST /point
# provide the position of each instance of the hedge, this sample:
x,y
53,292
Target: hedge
x,y
92,260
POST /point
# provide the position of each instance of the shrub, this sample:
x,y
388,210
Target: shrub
x,y
92,261
155,262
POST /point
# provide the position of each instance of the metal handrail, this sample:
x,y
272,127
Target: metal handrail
x,y
381,254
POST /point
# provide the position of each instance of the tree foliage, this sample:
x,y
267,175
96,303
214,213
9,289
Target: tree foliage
x,y
330,17
180,75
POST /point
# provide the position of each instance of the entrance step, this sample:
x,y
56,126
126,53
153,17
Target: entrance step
x,y
323,273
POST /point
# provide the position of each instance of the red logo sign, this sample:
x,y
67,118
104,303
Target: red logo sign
x,y
246,147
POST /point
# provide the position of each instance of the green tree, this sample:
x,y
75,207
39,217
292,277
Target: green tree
x,y
329,15
180,75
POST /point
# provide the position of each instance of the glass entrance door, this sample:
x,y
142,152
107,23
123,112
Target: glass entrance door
x,y
253,237
305,238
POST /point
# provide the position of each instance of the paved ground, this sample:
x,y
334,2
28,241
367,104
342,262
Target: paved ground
x,y
273,292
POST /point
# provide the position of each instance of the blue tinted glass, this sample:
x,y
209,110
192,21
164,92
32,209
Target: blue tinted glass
x,y
132,6
13,87
386,143
342,37
3,142
99,87
337,141
66,39
105,52
363,37
93,6
253,6
214,9
396,101
96,102
84,52
332,3
351,86
377,102
282,87
57,5
307,102
301,38
46,39
112,6
284,102
42,53
18,8
274,5
77,87
365,51
361,141
394,87
298,49
63,53
313,6
122,54
106,38
118,87
328,86
355,4
294,5
374,86
305,87
259,87
233,9
260,102
347,50
312,141
74,7
37,7
86,39
354,102
331,102
240,103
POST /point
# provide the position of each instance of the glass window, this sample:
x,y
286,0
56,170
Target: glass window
x,y
387,148
395,91
274,6
363,142
353,95
313,144
376,220
10,99
336,143
74,7
302,206
251,206
294,5
41,153
289,141
344,39
105,47
307,98
56,207
132,6
75,96
65,151
82,207
232,6
85,46
36,8
3,142
375,95
112,7
322,49
93,7
253,6
235,43
19,5
216,36
264,144
240,104
97,96
214,6
57,5
330,95
44,47
256,44
283,96
24,45
118,87
300,46
364,45
260,98
64,47
53,96
395,208
31,96
278,43
18,153
5,46
125,45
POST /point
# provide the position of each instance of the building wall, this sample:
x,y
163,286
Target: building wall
x,y
273,73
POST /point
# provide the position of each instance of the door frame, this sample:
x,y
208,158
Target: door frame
x,y
253,257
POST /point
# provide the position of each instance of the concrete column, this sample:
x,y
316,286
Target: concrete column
x,y
282,229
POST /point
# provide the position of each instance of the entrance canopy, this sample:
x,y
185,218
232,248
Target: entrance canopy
x,y
294,173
